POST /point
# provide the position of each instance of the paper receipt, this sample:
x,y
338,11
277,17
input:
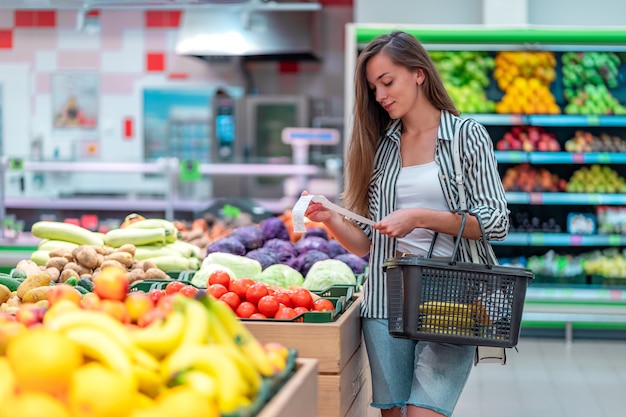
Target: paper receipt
x,y
301,205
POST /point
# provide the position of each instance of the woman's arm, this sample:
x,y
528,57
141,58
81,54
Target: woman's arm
x,y
344,231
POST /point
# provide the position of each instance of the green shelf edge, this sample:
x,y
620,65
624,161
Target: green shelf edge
x,y
474,35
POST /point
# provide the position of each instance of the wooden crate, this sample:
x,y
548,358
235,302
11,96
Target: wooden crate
x,y
298,397
333,344
337,392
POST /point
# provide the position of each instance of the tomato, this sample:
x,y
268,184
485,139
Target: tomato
x,y
156,295
173,287
258,316
217,290
189,291
302,298
240,286
283,297
268,305
166,303
246,309
300,310
256,291
285,313
150,316
219,277
232,299
323,304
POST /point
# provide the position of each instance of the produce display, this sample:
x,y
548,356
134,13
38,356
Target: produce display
x,y
465,75
526,178
525,79
528,139
174,355
596,179
584,141
588,78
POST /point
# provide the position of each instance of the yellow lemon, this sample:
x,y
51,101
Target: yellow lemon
x,y
34,404
186,401
98,391
43,360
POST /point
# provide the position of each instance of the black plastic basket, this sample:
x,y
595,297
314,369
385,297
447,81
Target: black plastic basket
x,y
455,302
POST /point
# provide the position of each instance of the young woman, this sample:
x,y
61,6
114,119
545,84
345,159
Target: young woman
x,y
400,173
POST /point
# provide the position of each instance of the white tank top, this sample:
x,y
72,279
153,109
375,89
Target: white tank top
x,y
418,186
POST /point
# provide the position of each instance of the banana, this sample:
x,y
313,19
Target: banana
x,y
447,330
230,384
200,381
160,337
445,308
219,336
80,319
101,347
138,237
144,359
440,320
239,333
149,382
196,329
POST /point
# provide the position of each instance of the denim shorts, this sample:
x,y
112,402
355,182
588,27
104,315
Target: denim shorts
x,y
425,374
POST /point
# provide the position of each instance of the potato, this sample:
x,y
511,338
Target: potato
x,y
57,262
86,256
36,294
136,274
122,257
67,274
148,264
78,268
5,293
13,301
110,262
61,253
55,273
28,266
128,247
40,279
156,273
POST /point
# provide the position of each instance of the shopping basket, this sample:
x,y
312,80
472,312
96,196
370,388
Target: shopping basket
x,y
455,302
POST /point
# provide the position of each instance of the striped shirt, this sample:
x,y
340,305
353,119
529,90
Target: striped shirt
x,y
485,196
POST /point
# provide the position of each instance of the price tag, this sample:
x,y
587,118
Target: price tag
x,y
536,239
593,120
190,171
516,119
604,158
16,164
594,199
576,240
615,240
535,198
578,158
517,157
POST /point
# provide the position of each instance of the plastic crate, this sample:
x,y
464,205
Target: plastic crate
x,y
463,303
337,291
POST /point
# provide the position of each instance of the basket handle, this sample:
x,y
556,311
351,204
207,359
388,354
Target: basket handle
x,y
457,241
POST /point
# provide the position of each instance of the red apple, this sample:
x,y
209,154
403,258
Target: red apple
x,y
62,291
138,303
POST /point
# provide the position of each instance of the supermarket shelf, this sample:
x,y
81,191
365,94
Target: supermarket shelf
x,y
514,197
547,120
518,157
561,239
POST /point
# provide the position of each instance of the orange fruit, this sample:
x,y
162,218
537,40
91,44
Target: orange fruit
x,y
43,360
34,404
186,401
98,391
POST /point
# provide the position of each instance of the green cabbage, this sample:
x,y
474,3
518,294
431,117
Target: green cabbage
x,y
280,275
241,266
328,272
201,276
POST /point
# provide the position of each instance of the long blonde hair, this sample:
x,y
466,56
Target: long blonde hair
x,y
370,118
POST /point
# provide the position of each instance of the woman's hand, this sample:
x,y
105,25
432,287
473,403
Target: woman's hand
x,y
399,223
316,212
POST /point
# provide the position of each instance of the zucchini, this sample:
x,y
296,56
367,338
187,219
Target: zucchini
x,y
10,283
85,283
18,273
82,289
137,237
46,229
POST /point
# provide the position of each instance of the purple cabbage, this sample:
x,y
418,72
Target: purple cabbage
x,y
283,249
266,257
274,228
356,263
310,243
305,261
251,236
334,248
227,244
316,231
